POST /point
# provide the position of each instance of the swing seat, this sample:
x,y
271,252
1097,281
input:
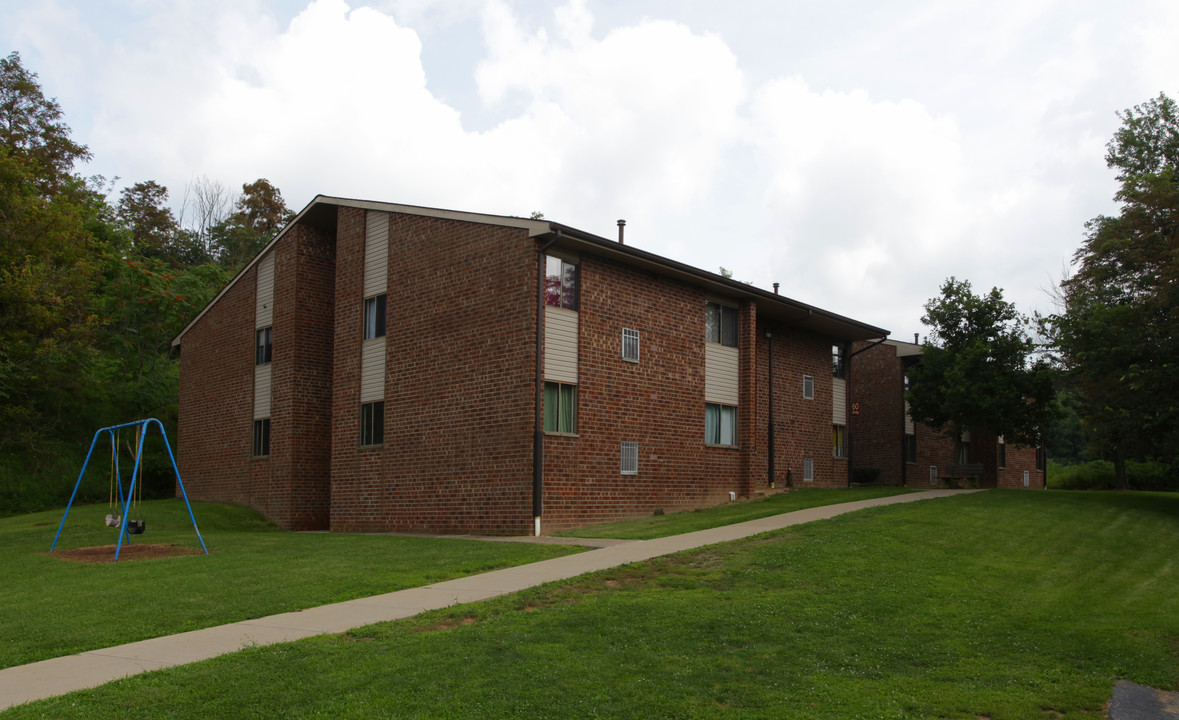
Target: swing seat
x,y
136,527
114,521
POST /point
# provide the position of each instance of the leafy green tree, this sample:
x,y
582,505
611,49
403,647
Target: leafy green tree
x,y
259,213
32,130
144,212
1118,331
978,368
48,261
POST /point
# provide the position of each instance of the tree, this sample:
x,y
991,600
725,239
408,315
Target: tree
x,y
259,213
49,264
1117,334
143,211
32,131
977,369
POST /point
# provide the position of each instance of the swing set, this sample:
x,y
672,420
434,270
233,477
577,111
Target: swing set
x,y
131,501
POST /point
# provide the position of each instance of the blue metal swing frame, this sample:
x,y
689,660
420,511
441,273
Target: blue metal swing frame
x,y
125,500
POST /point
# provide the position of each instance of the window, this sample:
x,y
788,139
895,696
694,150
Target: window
x,y
1041,457
263,345
630,345
560,283
808,470
374,317
720,324
840,441
964,452
808,387
560,408
262,437
1002,452
372,423
838,368
933,474
720,424
910,448
629,463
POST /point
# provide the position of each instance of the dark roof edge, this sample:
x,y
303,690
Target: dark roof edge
x,y
729,286
805,314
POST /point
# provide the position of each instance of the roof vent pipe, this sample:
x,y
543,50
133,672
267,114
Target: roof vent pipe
x,y
915,340
775,288
621,228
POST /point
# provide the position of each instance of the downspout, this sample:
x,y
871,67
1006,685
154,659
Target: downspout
x,y
538,419
851,436
770,424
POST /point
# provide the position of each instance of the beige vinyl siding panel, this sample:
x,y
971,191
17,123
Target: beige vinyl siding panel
x,y
372,370
560,344
721,374
909,429
839,401
262,391
376,253
264,297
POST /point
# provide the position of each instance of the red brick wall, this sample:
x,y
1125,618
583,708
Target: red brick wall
x,y
290,487
300,455
802,428
657,402
216,403
876,385
460,363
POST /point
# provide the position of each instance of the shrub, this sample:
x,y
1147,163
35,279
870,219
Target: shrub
x,y
1099,475
865,475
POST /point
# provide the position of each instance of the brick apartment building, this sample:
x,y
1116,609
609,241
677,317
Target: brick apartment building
x,y
911,453
382,367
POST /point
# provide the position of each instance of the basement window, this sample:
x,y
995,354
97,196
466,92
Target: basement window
x,y
808,470
629,463
630,345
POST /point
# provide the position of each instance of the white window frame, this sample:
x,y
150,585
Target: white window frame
x,y
372,317
723,411
808,387
630,345
264,345
933,474
628,463
808,470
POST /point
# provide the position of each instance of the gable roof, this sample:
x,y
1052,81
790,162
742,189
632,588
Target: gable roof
x,y
321,212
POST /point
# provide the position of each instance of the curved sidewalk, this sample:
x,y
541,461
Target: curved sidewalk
x,y
58,676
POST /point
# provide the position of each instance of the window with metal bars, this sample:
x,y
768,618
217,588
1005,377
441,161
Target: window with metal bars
x,y
630,345
629,464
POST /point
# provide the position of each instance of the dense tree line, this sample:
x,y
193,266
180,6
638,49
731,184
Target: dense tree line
x,y
93,288
1111,350
1117,331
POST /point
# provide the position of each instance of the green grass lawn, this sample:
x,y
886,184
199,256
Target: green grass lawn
x,y
1002,605
52,607
684,522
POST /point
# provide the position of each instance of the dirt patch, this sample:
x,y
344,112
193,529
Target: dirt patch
x,y
140,551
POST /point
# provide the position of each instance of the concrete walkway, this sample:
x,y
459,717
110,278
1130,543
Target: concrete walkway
x,y
58,676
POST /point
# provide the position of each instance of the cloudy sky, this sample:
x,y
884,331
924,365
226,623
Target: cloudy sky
x,y
858,152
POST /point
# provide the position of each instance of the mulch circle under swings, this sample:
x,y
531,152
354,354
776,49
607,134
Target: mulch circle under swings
x,y
138,551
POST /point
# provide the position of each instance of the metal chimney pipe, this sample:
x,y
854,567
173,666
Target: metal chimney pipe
x,y
775,288
915,340
621,228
